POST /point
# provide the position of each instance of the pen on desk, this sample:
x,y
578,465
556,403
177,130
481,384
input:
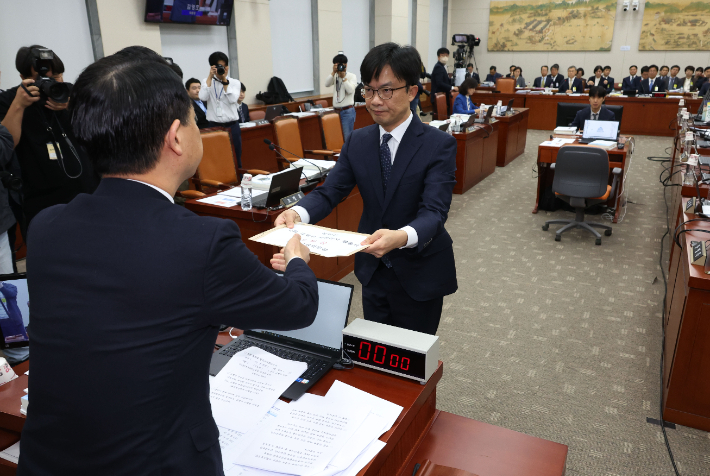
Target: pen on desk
x,y
416,468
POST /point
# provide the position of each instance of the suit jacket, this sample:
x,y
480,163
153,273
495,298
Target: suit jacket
x,y
700,82
586,114
627,84
520,82
658,86
200,116
704,89
472,75
492,78
440,82
537,83
244,113
461,107
128,291
577,84
418,194
608,86
555,81
675,83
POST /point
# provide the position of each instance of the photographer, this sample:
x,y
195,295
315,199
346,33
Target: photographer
x,y
344,93
53,170
221,95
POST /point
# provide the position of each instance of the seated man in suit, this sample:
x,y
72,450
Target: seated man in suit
x,y
544,80
608,80
631,82
405,171
193,86
555,77
580,75
462,103
703,91
512,70
518,77
703,80
572,84
674,82
470,73
596,110
242,108
663,75
699,77
493,76
143,285
652,84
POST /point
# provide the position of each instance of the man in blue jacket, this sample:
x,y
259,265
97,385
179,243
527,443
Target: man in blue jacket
x,y
405,171
632,82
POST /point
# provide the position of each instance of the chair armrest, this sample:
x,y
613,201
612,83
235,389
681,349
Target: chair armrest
x,y
190,194
253,171
216,184
552,166
615,183
327,153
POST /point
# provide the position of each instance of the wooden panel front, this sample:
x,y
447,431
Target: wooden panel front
x,y
469,157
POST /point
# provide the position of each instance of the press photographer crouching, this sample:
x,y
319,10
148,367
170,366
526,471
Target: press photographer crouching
x,y
343,92
53,170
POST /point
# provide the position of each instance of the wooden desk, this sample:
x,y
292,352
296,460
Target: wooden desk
x,y
686,371
617,158
345,216
11,420
512,136
476,155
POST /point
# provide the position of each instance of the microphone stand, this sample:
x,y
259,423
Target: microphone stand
x,y
320,169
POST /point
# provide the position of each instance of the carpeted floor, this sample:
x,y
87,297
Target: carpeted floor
x,y
562,340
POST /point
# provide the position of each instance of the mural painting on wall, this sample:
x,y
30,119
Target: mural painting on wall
x,y
676,25
544,25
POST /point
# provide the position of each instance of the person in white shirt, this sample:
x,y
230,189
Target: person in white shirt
x,y
344,84
221,95
689,80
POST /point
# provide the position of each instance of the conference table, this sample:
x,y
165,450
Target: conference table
x,y
476,154
547,155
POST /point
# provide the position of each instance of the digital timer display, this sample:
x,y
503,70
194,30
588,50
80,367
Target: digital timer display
x,y
386,357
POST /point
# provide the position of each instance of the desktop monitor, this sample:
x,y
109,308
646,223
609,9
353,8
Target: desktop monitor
x,y
14,311
196,12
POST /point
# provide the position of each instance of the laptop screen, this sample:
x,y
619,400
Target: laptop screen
x,y
333,309
600,130
14,310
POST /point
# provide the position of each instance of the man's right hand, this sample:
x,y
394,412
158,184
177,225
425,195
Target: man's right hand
x,y
288,218
335,70
22,99
213,73
294,248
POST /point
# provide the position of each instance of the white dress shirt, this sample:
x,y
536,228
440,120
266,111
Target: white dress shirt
x,y
597,80
218,100
166,194
344,90
397,134
687,84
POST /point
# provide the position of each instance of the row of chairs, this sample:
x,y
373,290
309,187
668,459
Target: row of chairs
x,y
218,169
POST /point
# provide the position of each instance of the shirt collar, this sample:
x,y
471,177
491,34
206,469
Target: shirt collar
x,y
166,194
398,131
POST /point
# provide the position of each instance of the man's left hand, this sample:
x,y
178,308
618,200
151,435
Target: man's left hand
x,y
383,241
56,106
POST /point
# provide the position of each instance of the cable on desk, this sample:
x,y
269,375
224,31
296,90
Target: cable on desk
x,y
686,231
663,340
676,234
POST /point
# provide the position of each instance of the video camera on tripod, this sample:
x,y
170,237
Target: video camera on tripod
x,y
464,50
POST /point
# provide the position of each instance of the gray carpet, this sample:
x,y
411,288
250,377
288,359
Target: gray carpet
x,y
562,340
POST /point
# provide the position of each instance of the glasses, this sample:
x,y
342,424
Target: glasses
x,y
383,93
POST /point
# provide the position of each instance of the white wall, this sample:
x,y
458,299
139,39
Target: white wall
x,y
191,45
253,28
471,16
436,24
123,24
35,22
356,33
291,43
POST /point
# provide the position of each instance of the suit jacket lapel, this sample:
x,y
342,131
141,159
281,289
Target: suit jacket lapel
x,y
411,142
371,157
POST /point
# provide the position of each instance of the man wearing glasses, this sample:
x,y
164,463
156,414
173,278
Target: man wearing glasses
x,y
405,173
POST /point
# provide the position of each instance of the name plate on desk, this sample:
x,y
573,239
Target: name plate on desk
x,y
392,349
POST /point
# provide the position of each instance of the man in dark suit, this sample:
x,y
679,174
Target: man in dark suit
x,y
596,110
608,80
405,172
703,91
555,77
193,86
493,76
703,79
129,290
571,85
512,70
631,82
242,106
470,73
652,84
440,81
544,80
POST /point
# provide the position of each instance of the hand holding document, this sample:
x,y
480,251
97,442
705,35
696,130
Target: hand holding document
x,y
319,240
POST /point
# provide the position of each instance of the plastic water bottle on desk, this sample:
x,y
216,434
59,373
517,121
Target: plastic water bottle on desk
x,y
246,192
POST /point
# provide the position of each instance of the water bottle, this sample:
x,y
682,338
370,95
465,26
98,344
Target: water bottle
x,y
246,192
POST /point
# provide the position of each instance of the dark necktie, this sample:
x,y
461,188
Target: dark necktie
x,y
385,160
595,116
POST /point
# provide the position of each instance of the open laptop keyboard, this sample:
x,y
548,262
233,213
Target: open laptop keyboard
x,y
315,364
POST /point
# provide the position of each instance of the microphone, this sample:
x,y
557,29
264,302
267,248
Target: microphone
x,y
290,164
320,169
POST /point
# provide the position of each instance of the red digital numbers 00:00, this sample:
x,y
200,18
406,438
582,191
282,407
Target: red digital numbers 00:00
x,y
380,354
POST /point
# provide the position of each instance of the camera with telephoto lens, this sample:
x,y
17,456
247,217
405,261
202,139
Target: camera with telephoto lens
x,y
341,67
220,69
10,181
48,87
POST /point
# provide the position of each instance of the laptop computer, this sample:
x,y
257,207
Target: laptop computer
x,y
486,119
599,130
282,185
272,112
509,109
14,311
319,345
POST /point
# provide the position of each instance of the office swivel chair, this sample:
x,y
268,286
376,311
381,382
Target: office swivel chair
x,y
581,179
454,95
442,113
332,132
505,85
566,112
288,136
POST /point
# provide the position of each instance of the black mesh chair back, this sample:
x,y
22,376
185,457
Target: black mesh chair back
x,y
581,172
566,111
618,112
